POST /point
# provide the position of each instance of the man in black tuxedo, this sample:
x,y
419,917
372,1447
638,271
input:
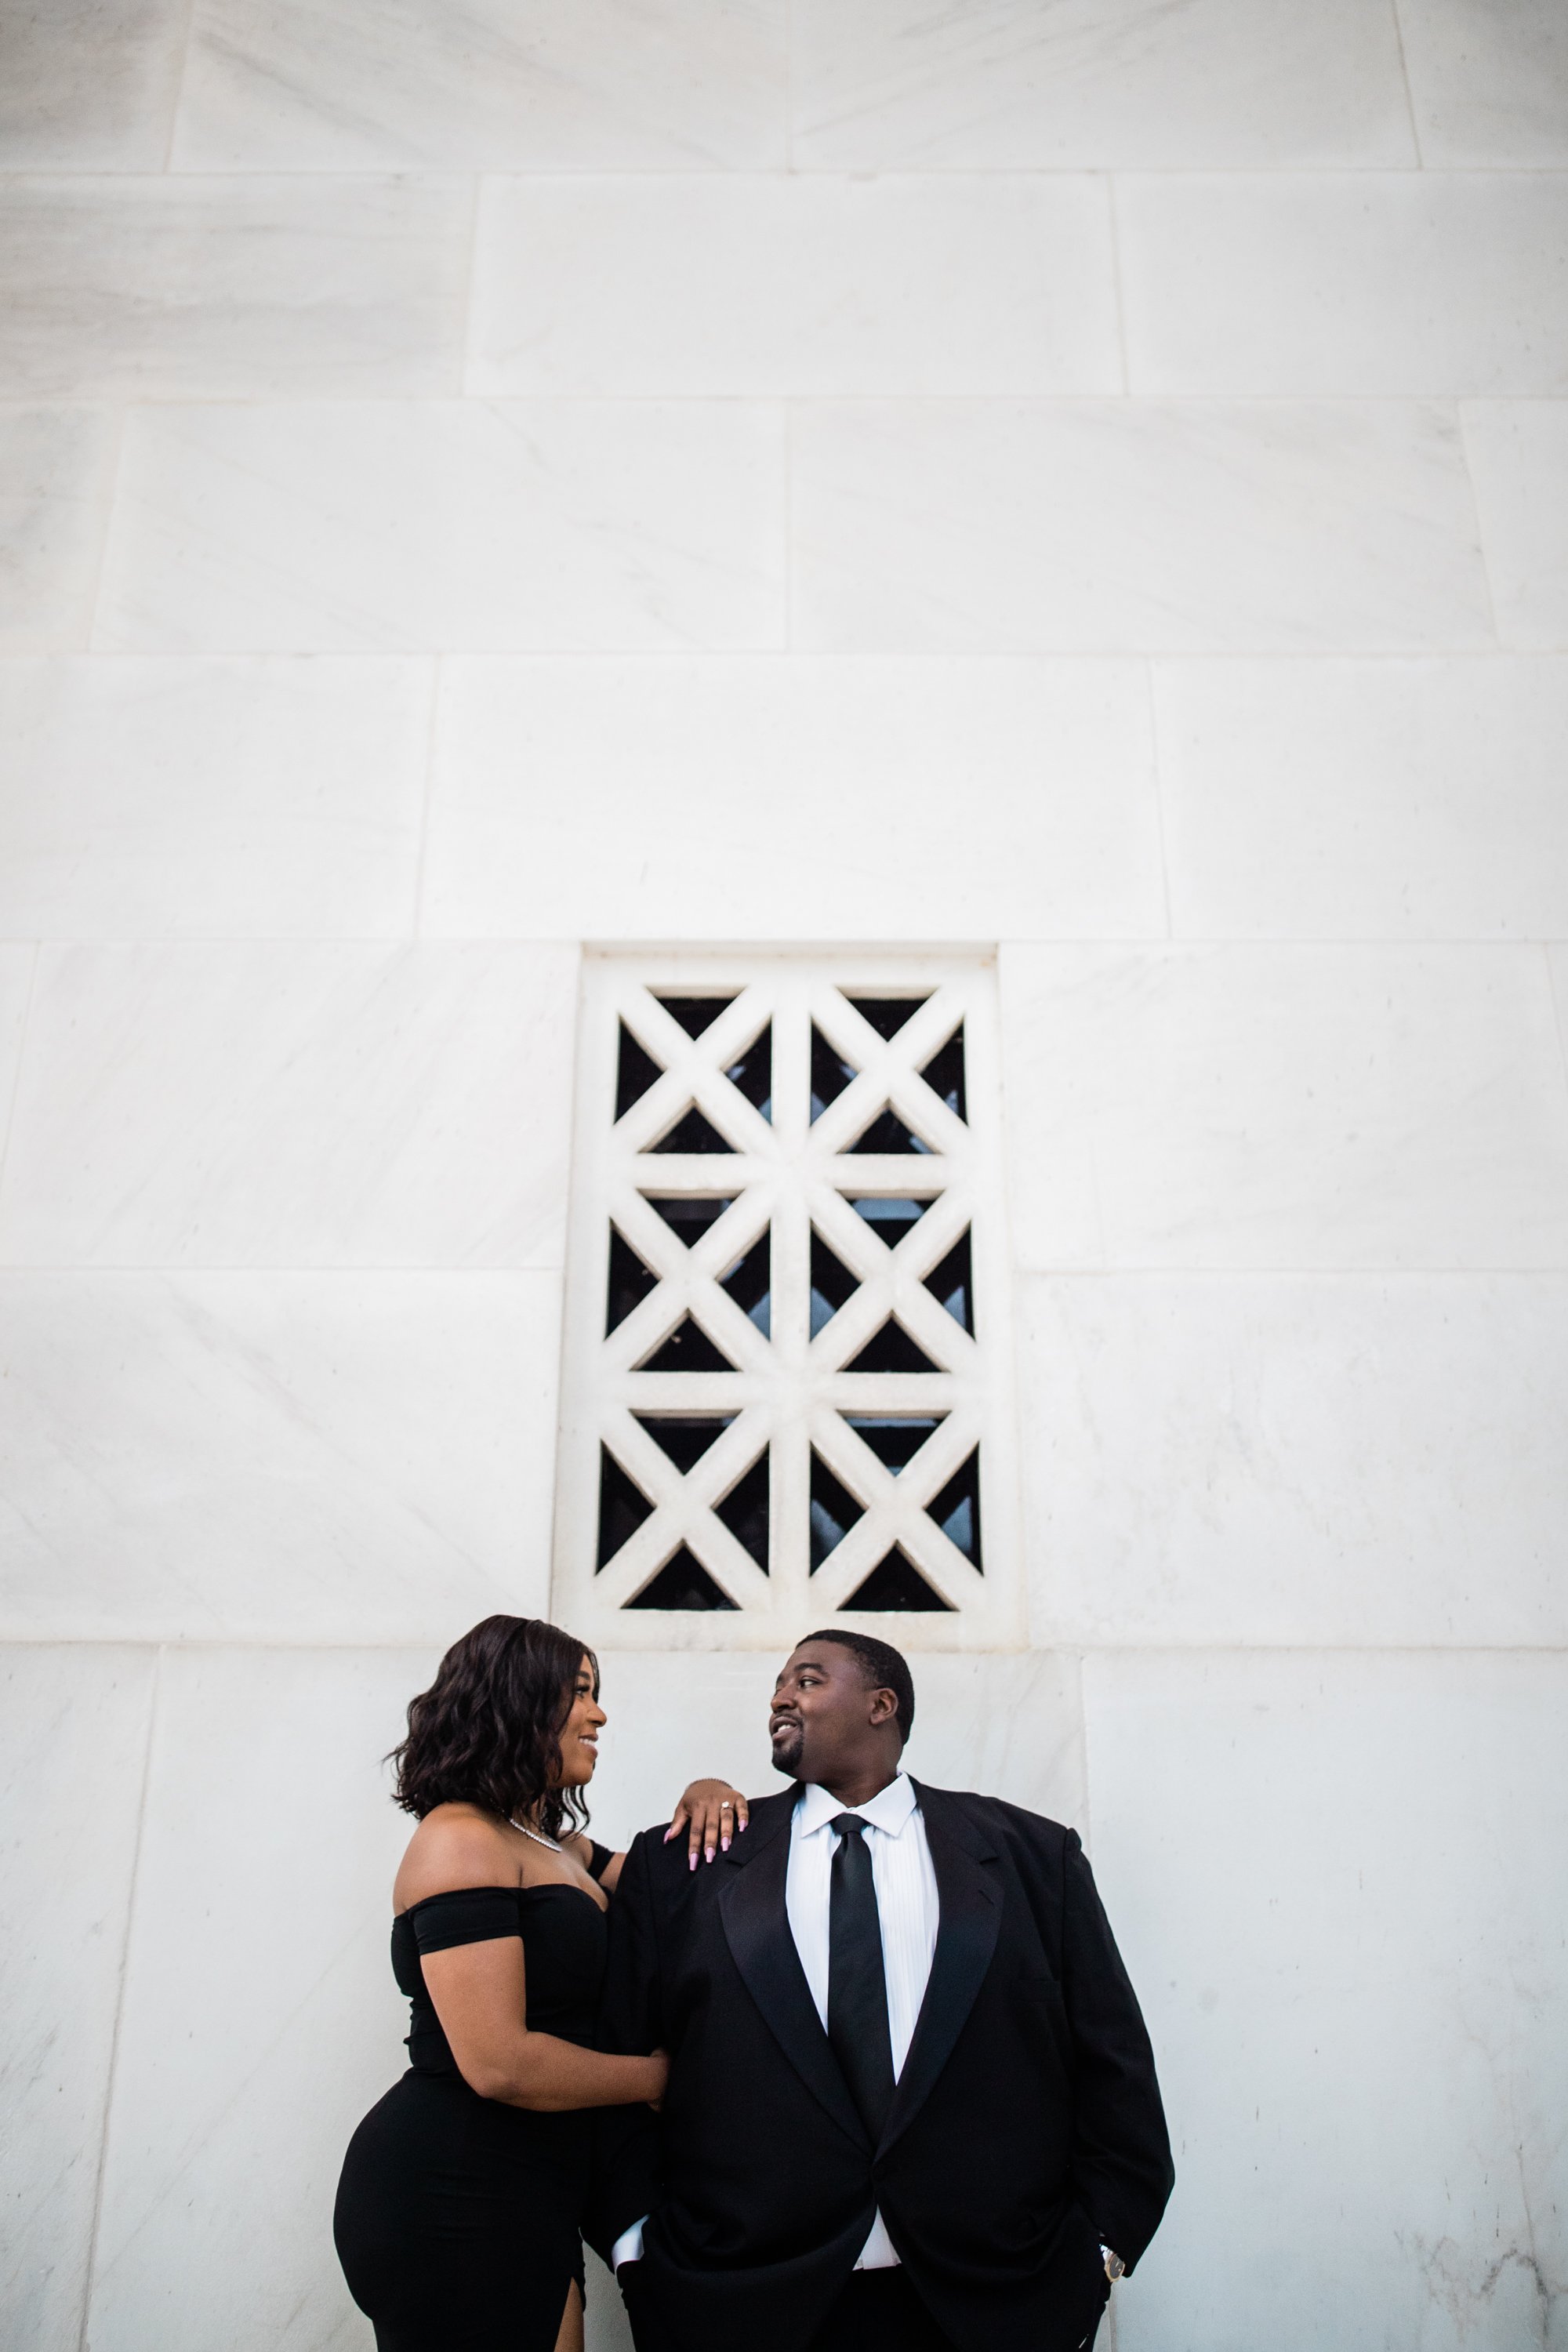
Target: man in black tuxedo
x,y
911,2103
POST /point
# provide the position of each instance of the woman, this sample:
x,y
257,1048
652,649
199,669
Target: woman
x,y
457,2211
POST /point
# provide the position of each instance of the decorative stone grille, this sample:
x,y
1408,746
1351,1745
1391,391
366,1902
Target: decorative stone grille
x,y
787,1390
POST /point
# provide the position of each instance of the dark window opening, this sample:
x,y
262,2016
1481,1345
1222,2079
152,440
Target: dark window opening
x,y
891,1350
634,1073
687,1214
749,1284
830,1074
833,1511
957,1510
890,1219
888,1014
745,1511
695,1013
943,1073
682,1583
623,1508
952,1281
753,1073
695,1132
685,1437
630,1281
687,1349
887,1132
895,1440
896,1584
831,1282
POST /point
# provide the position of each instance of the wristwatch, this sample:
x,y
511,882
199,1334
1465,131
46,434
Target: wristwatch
x,y
1114,2266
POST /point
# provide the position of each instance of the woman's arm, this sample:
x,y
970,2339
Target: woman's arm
x,y
480,1994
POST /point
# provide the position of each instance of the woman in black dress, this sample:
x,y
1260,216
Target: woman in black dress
x,y
461,2194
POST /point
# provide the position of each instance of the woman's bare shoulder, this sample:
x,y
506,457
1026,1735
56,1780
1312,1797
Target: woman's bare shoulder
x,y
455,1846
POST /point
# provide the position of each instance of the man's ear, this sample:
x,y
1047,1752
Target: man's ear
x,y
884,1705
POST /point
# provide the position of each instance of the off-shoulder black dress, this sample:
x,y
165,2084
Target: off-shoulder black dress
x,y
456,2219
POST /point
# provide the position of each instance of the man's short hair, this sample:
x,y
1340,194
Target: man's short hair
x,y
883,1666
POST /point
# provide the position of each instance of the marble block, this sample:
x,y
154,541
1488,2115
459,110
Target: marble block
x,y
1376,283
148,288
1006,84
1334,1881
293,1105
1285,1107
73,1740
1364,798
57,478
642,798
476,526
1489,84
18,971
1331,1458
1518,452
795,284
485,86
261,2018
89,85
219,798
1158,526
283,1457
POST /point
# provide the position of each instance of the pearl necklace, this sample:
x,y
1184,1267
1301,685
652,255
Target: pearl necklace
x,y
534,1834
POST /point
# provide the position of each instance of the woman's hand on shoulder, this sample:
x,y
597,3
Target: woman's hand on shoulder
x,y
712,1814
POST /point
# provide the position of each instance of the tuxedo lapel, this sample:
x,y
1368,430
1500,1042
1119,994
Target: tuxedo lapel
x,y
970,1916
756,1928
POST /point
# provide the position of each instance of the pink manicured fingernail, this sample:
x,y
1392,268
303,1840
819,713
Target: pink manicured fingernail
x,y
692,1864
724,1845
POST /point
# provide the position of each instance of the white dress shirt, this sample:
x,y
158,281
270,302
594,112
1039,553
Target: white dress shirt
x,y
907,1905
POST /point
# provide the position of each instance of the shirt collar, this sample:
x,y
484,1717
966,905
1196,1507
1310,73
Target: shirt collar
x,y
888,1810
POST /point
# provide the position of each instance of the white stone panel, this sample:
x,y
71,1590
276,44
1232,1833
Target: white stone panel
x,y
795,284
89,85
1489,83
293,1105
19,967
1334,1881
73,1738
1387,283
1182,525
161,288
485,85
272,1456
1006,84
838,799
477,526
1285,1107
56,477
1336,1459
261,2018
1371,800
158,798
1519,461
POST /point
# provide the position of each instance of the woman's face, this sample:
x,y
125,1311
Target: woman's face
x,y
579,1733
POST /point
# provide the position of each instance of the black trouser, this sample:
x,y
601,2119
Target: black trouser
x,y
879,2311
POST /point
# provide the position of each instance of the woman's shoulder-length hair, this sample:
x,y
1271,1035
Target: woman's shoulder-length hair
x,y
488,1730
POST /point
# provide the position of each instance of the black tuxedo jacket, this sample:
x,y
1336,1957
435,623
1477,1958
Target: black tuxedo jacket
x,y
1025,2127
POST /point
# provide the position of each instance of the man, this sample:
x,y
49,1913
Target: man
x,y
911,2101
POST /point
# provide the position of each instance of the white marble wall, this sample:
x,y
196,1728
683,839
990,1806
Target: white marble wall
x,y
475,478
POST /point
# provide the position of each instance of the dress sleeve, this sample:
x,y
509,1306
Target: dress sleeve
x,y
473,1915
599,1858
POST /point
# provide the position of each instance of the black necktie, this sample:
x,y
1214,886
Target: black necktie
x,y
857,1988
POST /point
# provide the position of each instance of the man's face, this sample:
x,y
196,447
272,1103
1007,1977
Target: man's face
x,y
822,1716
